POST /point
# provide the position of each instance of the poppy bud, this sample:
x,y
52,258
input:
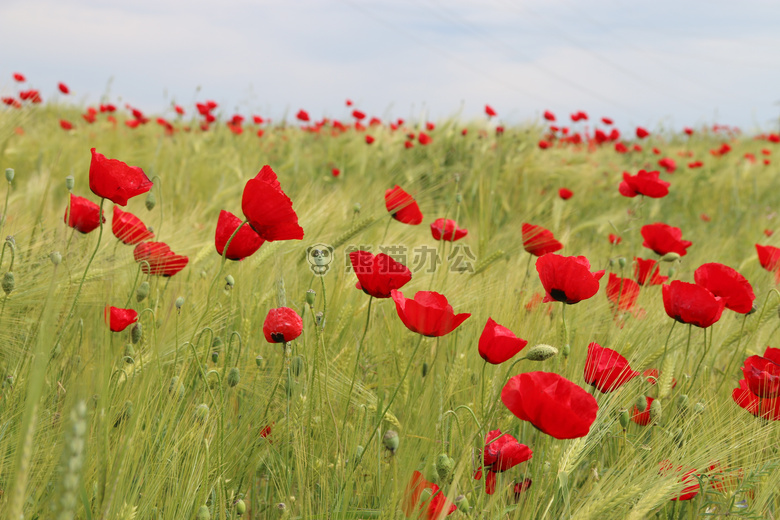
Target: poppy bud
x,y
612,262
391,440
458,198
136,332
424,369
233,377
670,257
260,362
203,513
240,507
142,292
296,365
462,503
69,182
214,357
541,352
623,418
356,208
9,174
682,402
319,320
151,201
202,413
698,408
310,296
641,403
56,258
678,437
216,343
129,353
566,351
622,262
671,272
426,495
655,410
9,282
444,467
179,302
229,281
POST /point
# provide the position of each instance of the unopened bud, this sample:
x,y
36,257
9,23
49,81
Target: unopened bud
x,y
70,182
215,357
56,258
319,319
240,507
358,453
462,503
136,332
671,272
641,403
541,352
391,440
142,292
216,343
9,282
176,388
679,437
203,513
444,466
9,174
260,362
612,262
151,201
426,495
179,302
129,353
310,297
458,198
623,418
356,207
655,410
233,377
670,257
229,281
202,412
622,262
682,402
698,408
566,351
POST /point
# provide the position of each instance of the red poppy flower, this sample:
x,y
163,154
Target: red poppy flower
x,y
642,418
520,487
762,373
620,148
434,508
646,272
695,164
429,313
162,261
82,214
402,206
502,452
768,409
424,138
447,230
268,209
688,479
643,183
691,303
641,133
651,375
378,275
244,244
282,325
119,319
606,369
550,402
543,145
769,258
116,181
614,239
489,111
408,144
663,238
498,344
66,125
539,241
302,115
357,114
266,430
549,116
565,193
668,164
335,172
727,283
19,77
622,292
567,279
128,228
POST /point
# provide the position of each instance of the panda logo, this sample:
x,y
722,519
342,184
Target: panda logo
x,y
319,257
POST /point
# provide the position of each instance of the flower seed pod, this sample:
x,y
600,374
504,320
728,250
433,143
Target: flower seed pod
x,y
682,402
137,332
641,403
310,296
129,353
179,303
56,258
142,292
670,257
655,410
233,377
151,201
240,507
541,352
229,281
391,441
319,319
622,262
69,182
9,174
260,362
203,513
296,365
444,467
356,208
623,418
9,282
215,357
202,413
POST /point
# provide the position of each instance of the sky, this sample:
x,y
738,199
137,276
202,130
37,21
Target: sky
x,y
663,64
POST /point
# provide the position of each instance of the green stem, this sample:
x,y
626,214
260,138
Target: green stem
x,y
666,345
357,363
5,208
730,366
704,354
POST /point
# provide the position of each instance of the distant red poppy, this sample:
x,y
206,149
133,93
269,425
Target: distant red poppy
x,y
687,478
32,95
119,319
691,303
408,144
668,164
357,114
429,313
498,344
282,325
430,126
268,209
502,452
116,181
436,506
162,261
63,88
565,193
464,131
550,402
614,239
663,238
688,131
448,230
656,151
695,164
244,244
369,139
66,125
82,214
128,228
769,258
19,77
378,275
606,369
424,139
489,111
606,120
302,115
335,172
643,183
539,241
567,279
544,144
646,272
549,116
727,283
521,487
641,133
402,206
622,292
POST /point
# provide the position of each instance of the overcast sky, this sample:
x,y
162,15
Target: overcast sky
x,y
665,63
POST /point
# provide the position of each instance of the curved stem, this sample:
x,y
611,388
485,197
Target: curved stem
x,y
5,208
